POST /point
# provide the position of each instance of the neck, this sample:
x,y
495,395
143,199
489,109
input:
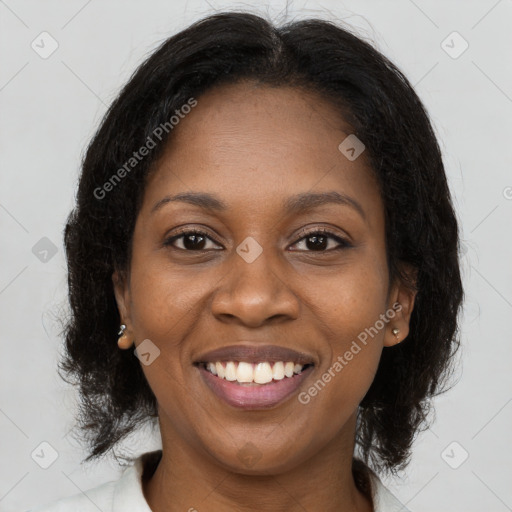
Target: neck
x,y
187,479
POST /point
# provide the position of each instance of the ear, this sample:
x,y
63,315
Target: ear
x,y
401,302
122,293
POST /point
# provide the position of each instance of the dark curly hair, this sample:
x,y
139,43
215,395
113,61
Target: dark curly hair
x,y
380,105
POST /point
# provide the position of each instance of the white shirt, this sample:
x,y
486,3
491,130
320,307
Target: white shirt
x,y
125,494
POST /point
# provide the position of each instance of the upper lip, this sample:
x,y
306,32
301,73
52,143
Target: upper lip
x,y
255,354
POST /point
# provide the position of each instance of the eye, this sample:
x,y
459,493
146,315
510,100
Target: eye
x,y
191,240
197,240
319,239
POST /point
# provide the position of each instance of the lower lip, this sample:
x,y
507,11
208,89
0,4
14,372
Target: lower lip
x,y
253,396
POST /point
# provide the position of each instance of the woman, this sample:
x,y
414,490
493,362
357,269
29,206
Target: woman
x,y
263,219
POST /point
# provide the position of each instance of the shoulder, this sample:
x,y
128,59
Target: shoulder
x,y
116,496
383,499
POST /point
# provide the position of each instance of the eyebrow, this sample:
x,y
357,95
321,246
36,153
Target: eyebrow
x,y
294,204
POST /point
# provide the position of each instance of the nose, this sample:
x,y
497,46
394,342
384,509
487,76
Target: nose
x,y
255,293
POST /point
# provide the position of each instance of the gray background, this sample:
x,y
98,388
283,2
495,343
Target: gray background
x,y
50,109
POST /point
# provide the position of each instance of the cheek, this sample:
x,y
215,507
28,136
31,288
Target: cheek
x,y
349,310
163,300
351,299
162,311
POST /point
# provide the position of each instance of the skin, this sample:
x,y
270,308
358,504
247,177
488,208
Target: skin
x,y
253,147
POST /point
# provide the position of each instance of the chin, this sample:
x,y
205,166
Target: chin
x,y
260,458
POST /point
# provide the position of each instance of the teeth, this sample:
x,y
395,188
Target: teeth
x,y
278,371
288,369
244,372
262,373
220,370
259,373
230,371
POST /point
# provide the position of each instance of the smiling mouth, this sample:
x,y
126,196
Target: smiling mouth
x,y
238,386
245,373
254,376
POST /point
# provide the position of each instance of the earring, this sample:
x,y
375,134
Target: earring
x,y
123,342
395,332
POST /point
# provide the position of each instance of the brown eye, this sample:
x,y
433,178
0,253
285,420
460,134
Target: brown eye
x,y
191,240
318,241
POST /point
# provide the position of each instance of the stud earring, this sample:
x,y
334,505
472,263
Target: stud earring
x,y
123,342
395,332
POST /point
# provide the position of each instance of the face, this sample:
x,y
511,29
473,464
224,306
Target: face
x,y
244,267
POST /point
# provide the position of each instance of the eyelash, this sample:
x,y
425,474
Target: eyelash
x,y
343,243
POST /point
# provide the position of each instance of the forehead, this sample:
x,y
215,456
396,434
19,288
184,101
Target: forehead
x,y
254,144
